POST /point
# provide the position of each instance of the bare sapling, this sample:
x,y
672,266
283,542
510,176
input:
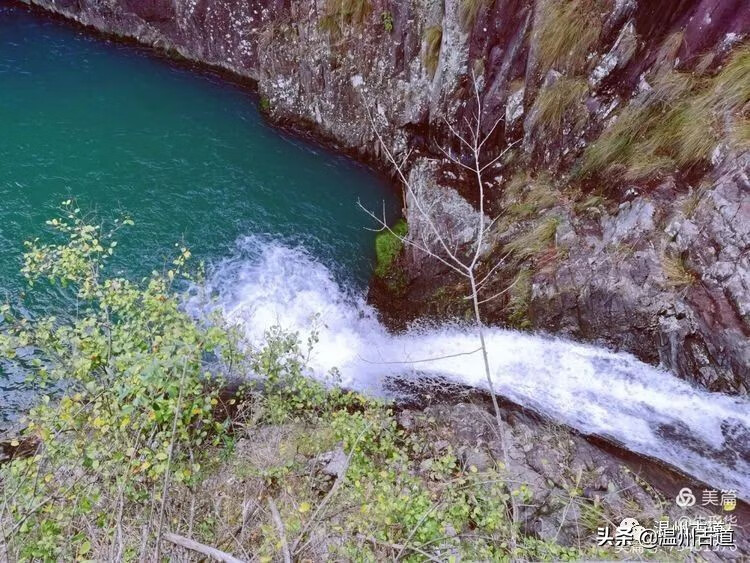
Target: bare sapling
x,y
466,259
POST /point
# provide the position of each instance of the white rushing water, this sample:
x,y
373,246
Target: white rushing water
x,y
612,395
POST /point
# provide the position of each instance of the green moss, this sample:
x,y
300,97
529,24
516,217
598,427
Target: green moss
x,y
388,246
386,17
433,37
569,31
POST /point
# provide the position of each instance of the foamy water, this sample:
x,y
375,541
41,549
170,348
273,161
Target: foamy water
x,y
612,395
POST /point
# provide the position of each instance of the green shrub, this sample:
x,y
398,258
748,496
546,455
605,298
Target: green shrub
x,y
139,443
139,393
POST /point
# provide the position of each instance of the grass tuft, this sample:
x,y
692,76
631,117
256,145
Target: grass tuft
x,y
527,196
559,103
677,273
433,38
469,10
675,124
344,12
731,87
569,31
535,241
520,300
740,135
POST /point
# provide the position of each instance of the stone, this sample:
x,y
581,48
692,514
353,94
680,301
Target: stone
x,y
334,462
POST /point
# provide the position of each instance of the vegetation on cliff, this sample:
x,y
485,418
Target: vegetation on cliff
x,y
676,124
139,449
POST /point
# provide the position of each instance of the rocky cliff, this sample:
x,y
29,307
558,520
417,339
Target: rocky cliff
x,y
622,213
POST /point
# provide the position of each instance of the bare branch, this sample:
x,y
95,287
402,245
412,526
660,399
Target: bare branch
x,y
339,481
165,488
203,549
454,160
503,292
280,529
501,155
401,547
498,264
407,184
425,360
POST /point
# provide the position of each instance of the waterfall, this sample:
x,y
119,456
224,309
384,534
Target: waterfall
x,y
644,409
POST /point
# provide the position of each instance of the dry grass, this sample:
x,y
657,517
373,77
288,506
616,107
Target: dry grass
x,y
468,11
569,30
731,87
535,241
740,135
667,54
672,86
559,104
526,197
690,205
433,38
520,300
678,123
648,166
677,273
654,135
344,12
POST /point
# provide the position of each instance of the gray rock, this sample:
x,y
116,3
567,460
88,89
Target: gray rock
x,y
334,463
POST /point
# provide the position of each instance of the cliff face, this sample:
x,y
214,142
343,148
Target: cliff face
x,y
622,214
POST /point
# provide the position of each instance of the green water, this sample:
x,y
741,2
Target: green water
x,y
187,155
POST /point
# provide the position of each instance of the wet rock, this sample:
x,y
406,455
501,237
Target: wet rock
x,y
561,481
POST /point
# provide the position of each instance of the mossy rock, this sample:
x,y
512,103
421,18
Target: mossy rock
x,y
388,245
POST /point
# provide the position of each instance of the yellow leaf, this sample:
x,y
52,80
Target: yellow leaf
x,y
14,443
304,507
